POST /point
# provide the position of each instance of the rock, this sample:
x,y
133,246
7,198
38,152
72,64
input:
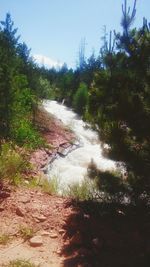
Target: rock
x,y
64,152
61,151
20,212
58,251
48,151
45,233
36,241
25,200
39,194
61,231
41,218
53,235
65,145
41,250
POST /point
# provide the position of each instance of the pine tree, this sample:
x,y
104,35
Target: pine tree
x,y
8,64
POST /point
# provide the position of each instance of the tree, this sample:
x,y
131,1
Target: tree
x,y
45,90
17,96
8,64
120,103
81,99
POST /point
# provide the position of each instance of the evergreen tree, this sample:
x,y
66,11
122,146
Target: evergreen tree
x,y
8,65
120,101
81,99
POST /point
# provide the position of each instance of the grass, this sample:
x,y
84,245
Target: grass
x,y
26,232
4,239
81,191
12,163
33,183
20,263
50,186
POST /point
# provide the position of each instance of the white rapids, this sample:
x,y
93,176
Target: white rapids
x,y
73,167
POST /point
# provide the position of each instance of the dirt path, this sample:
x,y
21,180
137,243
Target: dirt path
x,y
26,211
69,234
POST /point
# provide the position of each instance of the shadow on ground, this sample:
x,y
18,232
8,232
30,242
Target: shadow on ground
x,y
106,236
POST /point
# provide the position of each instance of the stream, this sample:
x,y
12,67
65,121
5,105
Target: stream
x,y
73,167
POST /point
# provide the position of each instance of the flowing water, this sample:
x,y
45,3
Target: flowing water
x,y
73,167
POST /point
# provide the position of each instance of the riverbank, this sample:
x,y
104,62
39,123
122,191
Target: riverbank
x,y
59,140
48,230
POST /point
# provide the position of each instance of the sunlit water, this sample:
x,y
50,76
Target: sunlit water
x,y
73,167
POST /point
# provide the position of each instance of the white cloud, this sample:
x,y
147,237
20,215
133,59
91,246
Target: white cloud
x,y
46,61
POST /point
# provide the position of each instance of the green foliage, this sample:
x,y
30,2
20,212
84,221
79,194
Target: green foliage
x,y
111,186
50,186
21,128
18,80
120,105
32,183
81,191
25,134
26,232
12,164
81,99
45,89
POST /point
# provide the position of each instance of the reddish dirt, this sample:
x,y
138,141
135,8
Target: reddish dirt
x,y
46,215
73,234
56,135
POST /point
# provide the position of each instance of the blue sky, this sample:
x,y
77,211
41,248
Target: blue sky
x,y
53,29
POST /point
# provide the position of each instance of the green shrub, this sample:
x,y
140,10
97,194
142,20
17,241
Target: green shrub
x,y
12,163
50,186
25,134
85,190
32,183
110,184
26,232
